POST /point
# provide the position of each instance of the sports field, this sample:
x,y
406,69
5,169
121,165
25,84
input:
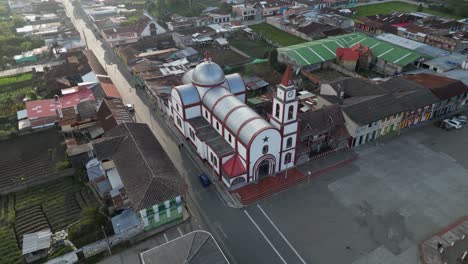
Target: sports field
x,y
387,7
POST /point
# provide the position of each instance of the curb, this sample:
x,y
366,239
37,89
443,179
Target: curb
x,y
294,183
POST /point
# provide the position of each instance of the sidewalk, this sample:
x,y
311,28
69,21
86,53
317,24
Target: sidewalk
x,y
270,185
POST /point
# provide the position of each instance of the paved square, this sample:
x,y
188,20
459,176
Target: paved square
x,y
379,208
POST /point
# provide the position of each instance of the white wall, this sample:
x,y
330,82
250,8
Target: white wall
x,y
241,150
327,89
257,146
291,128
226,138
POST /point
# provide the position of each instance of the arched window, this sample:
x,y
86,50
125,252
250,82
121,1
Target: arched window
x,y
290,112
265,149
287,159
289,142
277,110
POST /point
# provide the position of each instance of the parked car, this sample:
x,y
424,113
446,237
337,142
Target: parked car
x,y
450,123
460,118
204,179
129,107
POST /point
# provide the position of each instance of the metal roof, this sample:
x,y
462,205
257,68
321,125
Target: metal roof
x,y
36,241
249,130
324,50
189,94
208,73
235,83
213,95
239,115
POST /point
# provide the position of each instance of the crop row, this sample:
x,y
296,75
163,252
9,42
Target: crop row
x,y
14,79
9,247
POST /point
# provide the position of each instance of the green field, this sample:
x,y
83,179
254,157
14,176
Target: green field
x,y
8,247
384,8
12,91
254,48
276,35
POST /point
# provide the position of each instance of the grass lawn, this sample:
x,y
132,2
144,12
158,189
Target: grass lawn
x,y
253,48
276,35
384,8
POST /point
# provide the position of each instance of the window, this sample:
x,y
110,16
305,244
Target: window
x,y
277,110
265,149
370,125
215,162
229,138
290,112
179,122
206,114
177,107
287,159
217,125
192,135
289,142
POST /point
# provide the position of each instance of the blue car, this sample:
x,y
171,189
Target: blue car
x,y
205,180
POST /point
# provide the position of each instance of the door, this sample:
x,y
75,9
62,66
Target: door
x,y
263,169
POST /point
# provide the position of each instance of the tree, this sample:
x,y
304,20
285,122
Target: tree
x,y
420,8
25,46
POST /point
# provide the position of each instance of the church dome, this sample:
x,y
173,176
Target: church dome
x,y
208,74
187,78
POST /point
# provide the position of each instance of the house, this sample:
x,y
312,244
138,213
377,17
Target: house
x,y
451,93
112,112
147,26
193,36
375,109
195,247
244,12
270,7
143,181
384,23
336,20
120,36
321,130
105,88
356,57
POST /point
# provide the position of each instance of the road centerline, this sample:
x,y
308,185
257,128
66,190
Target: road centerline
x,y
281,234
265,237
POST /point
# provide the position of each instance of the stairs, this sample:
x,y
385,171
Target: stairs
x,y
268,186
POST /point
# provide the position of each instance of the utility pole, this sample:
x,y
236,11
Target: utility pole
x,y
107,240
308,178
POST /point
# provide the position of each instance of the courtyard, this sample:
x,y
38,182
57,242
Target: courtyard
x,y
375,210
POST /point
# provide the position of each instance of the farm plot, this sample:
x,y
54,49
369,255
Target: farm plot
x,y
275,35
12,91
25,160
30,220
10,253
61,201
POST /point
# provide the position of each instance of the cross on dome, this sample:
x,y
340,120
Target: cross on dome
x,y
207,56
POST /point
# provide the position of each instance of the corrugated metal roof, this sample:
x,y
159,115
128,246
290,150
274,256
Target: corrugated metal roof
x,y
36,241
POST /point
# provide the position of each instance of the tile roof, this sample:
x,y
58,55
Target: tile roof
x,y
321,119
442,87
94,63
118,110
369,111
109,88
147,173
234,167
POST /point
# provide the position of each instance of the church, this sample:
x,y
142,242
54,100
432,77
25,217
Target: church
x,y
242,147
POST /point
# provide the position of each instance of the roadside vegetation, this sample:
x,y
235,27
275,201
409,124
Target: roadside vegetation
x,y
11,43
387,7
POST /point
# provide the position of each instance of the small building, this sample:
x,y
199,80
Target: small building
x,y
244,12
36,245
255,83
451,93
147,26
142,177
112,112
355,58
321,130
120,36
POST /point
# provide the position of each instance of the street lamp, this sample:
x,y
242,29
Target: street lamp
x,y
308,178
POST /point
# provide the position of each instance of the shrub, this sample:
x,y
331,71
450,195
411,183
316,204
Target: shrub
x,y
62,165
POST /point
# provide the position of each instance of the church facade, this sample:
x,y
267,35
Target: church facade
x,y
241,146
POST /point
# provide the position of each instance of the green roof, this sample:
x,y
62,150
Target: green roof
x,y
324,50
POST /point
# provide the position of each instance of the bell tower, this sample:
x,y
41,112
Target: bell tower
x,y
284,118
